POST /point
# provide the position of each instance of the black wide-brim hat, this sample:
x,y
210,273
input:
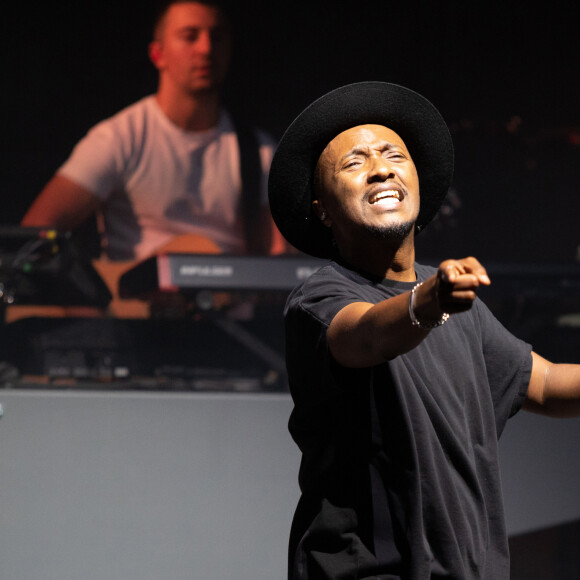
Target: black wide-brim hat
x,y
410,115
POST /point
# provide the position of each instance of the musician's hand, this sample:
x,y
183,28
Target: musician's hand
x,y
457,283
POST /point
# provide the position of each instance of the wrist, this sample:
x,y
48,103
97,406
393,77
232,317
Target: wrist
x,y
428,315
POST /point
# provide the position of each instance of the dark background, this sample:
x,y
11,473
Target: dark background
x,y
504,75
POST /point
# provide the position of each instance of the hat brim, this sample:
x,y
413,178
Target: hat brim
x,y
402,110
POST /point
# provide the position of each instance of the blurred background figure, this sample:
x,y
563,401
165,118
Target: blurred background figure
x,y
175,167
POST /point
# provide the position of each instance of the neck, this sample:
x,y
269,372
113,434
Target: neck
x,y
383,259
191,112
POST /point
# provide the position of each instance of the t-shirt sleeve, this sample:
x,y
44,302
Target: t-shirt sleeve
x,y
312,372
508,362
96,162
323,296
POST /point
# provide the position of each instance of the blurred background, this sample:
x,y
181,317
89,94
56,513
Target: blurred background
x,y
504,75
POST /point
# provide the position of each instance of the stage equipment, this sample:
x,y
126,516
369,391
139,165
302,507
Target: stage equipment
x,y
189,273
44,266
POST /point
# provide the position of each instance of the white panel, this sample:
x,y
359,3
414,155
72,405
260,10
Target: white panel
x,y
142,486
145,486
541,471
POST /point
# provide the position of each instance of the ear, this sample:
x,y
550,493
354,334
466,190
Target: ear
x,y
321,213
156,54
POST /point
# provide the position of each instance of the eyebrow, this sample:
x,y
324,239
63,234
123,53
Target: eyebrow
x,y
196,28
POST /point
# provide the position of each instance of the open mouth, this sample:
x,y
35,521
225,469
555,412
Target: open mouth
x,y
386,197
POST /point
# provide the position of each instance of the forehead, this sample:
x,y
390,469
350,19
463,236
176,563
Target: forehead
x,y
363,136
193,15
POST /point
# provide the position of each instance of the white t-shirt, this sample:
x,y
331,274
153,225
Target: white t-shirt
x,y
157,181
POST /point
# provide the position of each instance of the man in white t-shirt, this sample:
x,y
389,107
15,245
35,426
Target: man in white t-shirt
x,y
174,165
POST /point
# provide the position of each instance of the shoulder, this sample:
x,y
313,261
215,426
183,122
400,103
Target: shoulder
x,y
146,106
131,118
110,147
329,289
329,278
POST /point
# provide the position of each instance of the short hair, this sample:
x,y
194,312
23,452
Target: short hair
x,y
164,5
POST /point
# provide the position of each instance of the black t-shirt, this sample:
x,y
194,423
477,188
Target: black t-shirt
x,y
399,472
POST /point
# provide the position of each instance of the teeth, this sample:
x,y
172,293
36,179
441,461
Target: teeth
x,y
387,194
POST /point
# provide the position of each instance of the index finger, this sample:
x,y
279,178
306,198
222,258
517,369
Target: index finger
x,y
473,266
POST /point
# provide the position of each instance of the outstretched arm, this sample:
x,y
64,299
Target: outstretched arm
x,y
554,389
363,334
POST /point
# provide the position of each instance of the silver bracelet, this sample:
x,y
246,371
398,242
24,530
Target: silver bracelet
x,y
425,325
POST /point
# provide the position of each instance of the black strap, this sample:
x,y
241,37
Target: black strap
x,y
257,240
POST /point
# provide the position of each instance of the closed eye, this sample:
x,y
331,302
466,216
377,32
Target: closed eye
x,y
394,154
352,163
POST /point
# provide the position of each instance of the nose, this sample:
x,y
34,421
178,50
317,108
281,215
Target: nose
x,y
204,42
380,169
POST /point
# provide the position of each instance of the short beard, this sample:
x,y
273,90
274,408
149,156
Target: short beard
x,y
394,233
